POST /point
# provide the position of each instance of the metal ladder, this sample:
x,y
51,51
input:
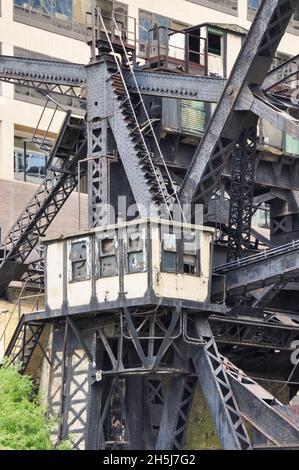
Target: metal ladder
x,y
136,133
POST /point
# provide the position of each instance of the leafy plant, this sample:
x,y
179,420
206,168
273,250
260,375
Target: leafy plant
x,y
23,423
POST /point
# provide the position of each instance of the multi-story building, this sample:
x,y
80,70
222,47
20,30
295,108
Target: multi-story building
x,y
57,30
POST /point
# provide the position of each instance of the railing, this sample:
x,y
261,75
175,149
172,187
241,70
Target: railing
x,y
168,45
36,302
266,254
50,22
123,29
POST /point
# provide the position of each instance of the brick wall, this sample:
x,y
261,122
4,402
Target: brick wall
x,y
14,195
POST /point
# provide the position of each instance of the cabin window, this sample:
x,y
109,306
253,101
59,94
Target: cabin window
x,y
135,252
169,252
214,43
191,254
107,252
79,260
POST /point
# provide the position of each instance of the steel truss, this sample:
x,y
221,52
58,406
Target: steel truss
x,y
45,204
98,372
241,193
127,381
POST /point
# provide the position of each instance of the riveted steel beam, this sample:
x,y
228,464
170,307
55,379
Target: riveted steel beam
x,y
178,86
263,411
49,71
264,269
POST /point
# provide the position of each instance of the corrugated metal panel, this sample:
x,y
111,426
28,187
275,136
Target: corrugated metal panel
x,y
292,145
215,30
193,117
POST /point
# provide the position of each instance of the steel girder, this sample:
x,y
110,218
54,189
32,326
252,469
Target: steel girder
x,y
261,409
94,365
177,86
268,331
264,269
217,391
241,193
69,385
176,413
226,124
44,75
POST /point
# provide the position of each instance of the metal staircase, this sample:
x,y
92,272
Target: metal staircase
x,y
163,190
61,180
23,342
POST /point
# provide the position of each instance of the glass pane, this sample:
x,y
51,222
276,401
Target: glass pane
x,y
189,264
79,251
136,262
107,246
79,270
169,242
108,266
169,261
135,242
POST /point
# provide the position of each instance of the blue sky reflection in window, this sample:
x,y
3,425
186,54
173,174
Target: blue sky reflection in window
x,y
62,7
254,4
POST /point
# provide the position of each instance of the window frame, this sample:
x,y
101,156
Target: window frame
x,y
87,259
180,251
128,250
100,255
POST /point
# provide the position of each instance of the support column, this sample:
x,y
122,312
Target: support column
x,y
176,412
241,195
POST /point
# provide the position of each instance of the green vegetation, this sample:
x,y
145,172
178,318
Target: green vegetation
x,y
23,425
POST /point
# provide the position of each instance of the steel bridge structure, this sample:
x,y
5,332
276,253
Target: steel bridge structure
x,y
125,378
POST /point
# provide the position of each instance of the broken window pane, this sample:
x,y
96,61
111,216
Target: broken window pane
x,y
108,266
169,241
169,252
107,256
191,253
136,262
78,258
135,252
107,246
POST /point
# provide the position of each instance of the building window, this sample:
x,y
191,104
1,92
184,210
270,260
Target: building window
x,y
191,254
214,43
180,252
107,257
227,6
152,22
66,17
29,162
79,257
135,252
253,6
169,252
